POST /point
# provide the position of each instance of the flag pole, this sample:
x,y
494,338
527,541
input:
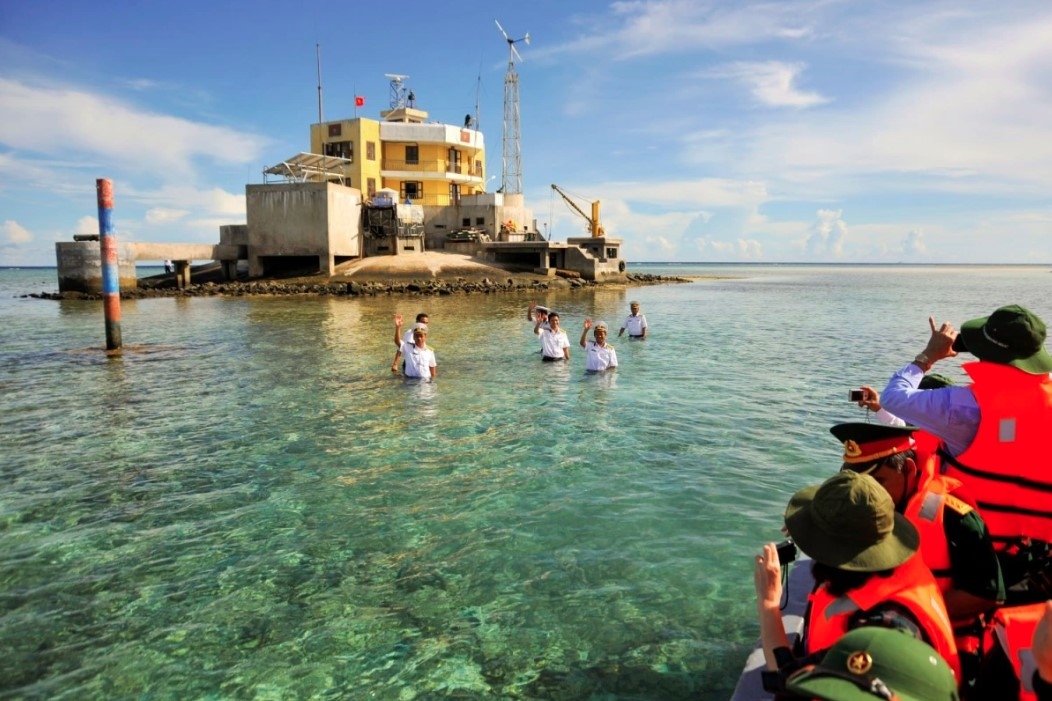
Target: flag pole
x,y
317,48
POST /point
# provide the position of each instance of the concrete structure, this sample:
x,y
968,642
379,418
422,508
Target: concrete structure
x,y
423,184
596,259
296,224
80,266
80,263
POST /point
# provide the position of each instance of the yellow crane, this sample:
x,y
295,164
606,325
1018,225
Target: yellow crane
x,y
594,226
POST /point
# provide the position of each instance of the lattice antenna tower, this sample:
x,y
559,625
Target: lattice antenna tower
x,y
397,89
511,173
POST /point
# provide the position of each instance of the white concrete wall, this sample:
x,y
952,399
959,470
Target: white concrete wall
x,y
303,219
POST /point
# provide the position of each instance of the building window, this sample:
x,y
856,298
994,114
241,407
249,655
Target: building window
x,y
412,154
478,168
466,221
454,193
611,253
340,149
454,161
370,150
335,130
412,190
371,186
479,221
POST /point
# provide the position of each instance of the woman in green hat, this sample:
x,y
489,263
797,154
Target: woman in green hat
x,y
865,572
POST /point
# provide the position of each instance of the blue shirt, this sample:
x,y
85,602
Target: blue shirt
x,y
951,413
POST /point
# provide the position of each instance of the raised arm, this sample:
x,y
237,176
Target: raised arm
x,y
767,577
584,334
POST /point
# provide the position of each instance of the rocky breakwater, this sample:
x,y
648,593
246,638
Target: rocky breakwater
x,y
152,288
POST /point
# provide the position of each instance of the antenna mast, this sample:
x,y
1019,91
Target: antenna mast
x,y
317,48
397,90
511,176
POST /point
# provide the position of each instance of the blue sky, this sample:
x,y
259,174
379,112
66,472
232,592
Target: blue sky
x,y
730,130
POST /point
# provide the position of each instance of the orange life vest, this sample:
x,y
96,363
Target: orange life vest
x,y
1013,629
925,511
926,447
911,586
1006,465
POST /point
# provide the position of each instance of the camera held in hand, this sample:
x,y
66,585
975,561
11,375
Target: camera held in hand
x,y
786,552
856,395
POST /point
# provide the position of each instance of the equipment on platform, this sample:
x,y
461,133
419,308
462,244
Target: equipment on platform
x,y
594,227
511,174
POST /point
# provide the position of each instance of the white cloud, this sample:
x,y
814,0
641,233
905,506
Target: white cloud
x,y
86,226
636,28
163,215
913,243
826,239
15,233
58,121
772,83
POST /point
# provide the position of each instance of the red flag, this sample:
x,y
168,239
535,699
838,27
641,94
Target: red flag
x,y
359,101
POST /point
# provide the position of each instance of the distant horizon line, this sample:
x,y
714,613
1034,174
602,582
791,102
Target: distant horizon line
x,y
703,262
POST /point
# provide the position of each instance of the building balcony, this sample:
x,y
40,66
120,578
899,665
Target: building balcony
x,y
431,170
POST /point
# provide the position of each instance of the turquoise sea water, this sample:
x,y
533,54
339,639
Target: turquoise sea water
x,y
248,505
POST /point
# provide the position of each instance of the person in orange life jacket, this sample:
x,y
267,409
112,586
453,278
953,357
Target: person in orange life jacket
x,y
866,569
1019,663
876,663
993,432
954,541
960,553
1041,649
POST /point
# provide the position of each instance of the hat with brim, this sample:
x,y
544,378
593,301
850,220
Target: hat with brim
x,y
877,663
849,522
865,443
1012,335
934,380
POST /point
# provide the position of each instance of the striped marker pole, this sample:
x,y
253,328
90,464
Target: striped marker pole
x,y
111,288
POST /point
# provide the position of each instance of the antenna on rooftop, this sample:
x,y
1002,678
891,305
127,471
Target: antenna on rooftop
x,y
511,178
397,90
317,48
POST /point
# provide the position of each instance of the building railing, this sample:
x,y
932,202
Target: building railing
x,y
439,166
433,200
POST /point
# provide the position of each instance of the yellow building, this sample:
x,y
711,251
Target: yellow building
x,y
425,163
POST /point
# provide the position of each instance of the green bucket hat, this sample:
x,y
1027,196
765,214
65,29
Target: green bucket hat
x,y
877,663
849,522
1012,335
934,380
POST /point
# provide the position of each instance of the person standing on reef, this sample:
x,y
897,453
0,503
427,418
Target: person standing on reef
x,y
419,359
169,267
422,320
994,433
599,355
636,323
555,344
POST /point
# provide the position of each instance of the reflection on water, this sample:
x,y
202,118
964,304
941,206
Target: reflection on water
x,y
249,504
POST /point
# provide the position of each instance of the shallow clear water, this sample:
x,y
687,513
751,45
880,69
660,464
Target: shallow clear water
x,y
248,504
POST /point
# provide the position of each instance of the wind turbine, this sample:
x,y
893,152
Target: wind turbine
x,y
511,175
